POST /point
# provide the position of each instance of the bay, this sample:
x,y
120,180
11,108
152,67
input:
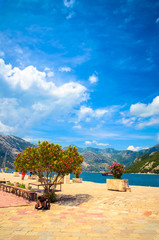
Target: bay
x,y
149,180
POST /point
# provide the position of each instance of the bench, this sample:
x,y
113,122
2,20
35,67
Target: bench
x,y
32,196
50,184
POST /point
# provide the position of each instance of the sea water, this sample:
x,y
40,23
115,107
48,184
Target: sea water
x,y
149,180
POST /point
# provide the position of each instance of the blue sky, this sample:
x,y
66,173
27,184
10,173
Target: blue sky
x,y
80,72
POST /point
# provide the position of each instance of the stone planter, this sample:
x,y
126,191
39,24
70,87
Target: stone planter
x,y
118,184
16,174
77,180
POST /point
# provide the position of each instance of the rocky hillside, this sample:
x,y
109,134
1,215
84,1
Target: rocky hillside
x,y
147,163
95,159
10,146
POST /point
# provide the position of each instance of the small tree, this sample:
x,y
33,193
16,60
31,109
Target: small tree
x,y
48,160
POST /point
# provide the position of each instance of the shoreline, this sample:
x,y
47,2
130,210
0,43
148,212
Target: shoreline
x,y
10,177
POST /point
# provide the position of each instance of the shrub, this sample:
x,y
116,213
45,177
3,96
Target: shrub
x,y
51,196
117,169
21,185
10,184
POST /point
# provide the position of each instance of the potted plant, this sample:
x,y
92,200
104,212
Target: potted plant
x,y
118,184
77,179
117,169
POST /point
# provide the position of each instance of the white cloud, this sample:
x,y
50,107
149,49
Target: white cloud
x,y
145,114
70,15
96,143
150,122
47,69
2,54
100,112
5,129
40,107
65,69
87,112
93,78
88,119
30,78
37,98
101,144
24,78
128,121
88,142
158,137
50,74
134,149
69,3
77,127
145,110
157,20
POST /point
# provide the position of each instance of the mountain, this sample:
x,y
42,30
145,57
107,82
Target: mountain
x,y
10,146
95,159
147,163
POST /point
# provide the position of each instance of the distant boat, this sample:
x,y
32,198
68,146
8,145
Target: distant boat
x,y
107,174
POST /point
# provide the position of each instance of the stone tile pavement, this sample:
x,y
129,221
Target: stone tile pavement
x,y
107,217
7,199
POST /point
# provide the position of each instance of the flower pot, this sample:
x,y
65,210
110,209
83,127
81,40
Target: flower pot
x,y
117,184
77,180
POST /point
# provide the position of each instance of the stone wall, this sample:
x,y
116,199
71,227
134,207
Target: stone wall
x,y
117,184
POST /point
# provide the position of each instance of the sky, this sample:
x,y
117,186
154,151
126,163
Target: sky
x,y
80,72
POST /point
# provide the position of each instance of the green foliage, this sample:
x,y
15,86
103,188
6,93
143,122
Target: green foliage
x,y
145,163
117,170
10,184
51,196
77,172
2,181
48,159
21,185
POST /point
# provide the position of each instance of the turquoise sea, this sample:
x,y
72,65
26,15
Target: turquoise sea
x,y
151,180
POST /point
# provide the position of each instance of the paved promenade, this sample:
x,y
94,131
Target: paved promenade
x,y
84,211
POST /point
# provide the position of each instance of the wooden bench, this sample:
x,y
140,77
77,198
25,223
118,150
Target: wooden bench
x,y
50,184
32,196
